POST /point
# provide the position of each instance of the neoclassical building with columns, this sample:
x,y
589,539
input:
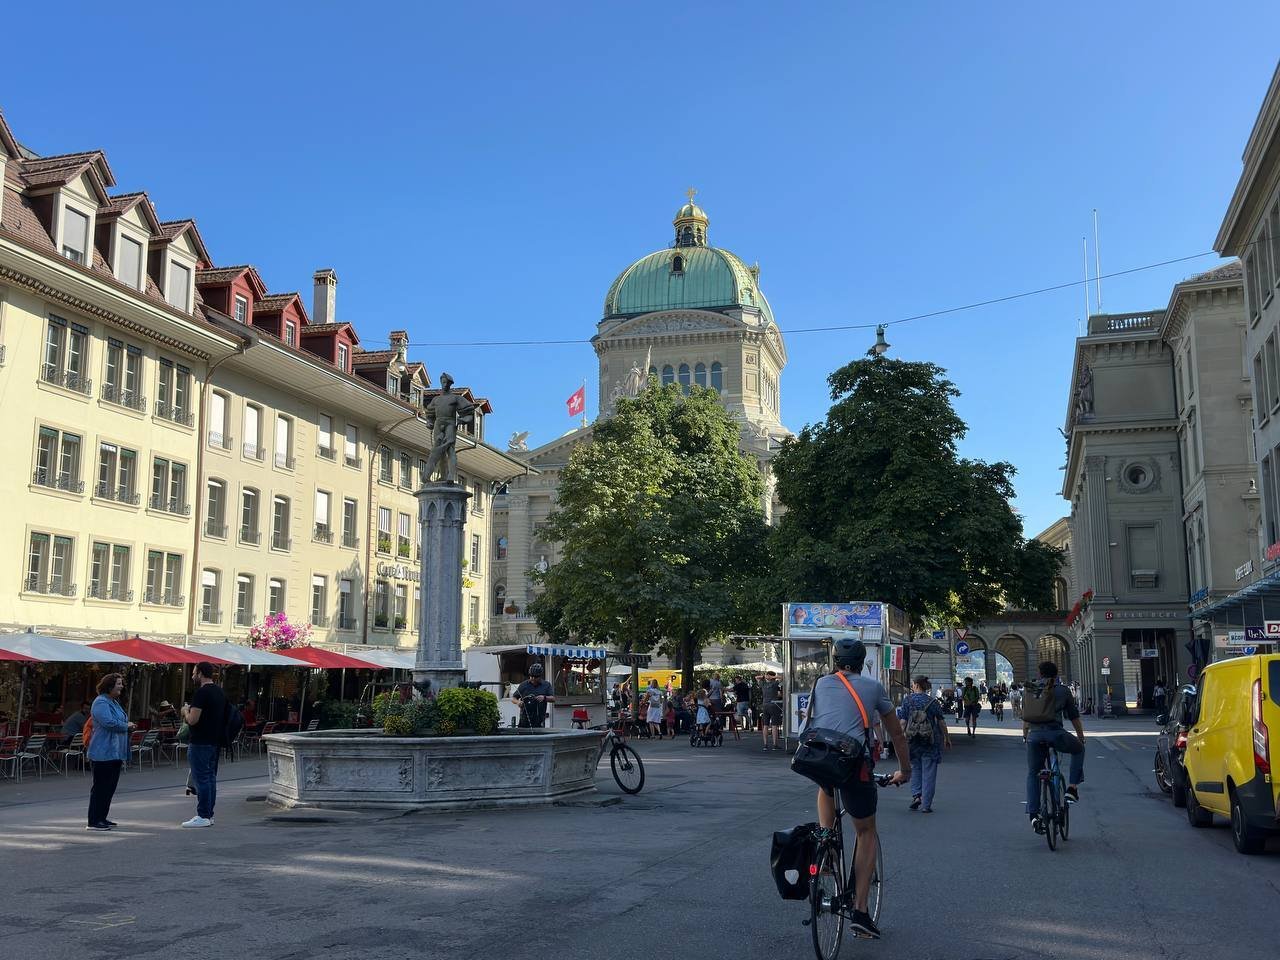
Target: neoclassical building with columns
x,y
689,314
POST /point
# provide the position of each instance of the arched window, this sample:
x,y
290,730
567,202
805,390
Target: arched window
x,y
1060,594
717,377
499,599
653,371
668,375
677,265
684,377
700,374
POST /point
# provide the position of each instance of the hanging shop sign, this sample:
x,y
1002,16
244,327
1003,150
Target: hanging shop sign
x,y
1244,570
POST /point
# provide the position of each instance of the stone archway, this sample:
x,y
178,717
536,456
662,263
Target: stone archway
x,y
1014,648
1050,646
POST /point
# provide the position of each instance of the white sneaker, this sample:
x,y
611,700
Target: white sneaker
x,y
197,822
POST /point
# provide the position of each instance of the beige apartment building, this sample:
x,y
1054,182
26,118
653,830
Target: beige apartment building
x,y
200,452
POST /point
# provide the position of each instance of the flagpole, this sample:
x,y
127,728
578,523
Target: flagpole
x,y
584,401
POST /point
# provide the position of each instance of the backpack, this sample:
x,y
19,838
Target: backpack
x,y
87,732
920,733
1040,706
970,695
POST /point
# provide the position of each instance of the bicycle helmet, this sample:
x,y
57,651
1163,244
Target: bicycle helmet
x,y
535,670
850,653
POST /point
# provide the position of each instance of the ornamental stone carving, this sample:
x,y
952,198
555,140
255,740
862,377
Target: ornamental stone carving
x,y
1139,476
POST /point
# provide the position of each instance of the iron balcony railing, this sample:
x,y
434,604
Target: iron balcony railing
x,y
352,462
350,540
244,618
66,379
180,415
319,620
101,591
221,441
57,481
253,452
124,398
164,598
404,549
213,528
209,615
108,491
322,533
346,623
280,542
250,535
170,505
328,453
284,461
52,587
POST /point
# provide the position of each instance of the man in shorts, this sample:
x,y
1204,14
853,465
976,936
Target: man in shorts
x,y
772,709
833,706
741,706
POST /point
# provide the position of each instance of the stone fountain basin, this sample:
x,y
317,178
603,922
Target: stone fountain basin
x,y
365,769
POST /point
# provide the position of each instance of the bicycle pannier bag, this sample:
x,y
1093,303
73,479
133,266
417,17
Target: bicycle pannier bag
x,y
789,861
1040,706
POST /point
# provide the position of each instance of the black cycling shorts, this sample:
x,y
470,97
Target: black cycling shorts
x,y
859,798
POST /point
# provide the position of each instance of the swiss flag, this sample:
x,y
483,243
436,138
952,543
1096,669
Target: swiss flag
x,y
578,401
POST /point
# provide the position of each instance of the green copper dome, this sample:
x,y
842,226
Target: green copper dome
x,y
689,275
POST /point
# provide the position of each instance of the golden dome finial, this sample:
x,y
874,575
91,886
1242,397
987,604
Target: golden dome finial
x,y
691,193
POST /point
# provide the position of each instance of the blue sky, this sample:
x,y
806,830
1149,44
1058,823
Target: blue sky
x,y
484,171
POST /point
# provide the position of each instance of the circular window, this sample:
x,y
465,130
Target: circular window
x,y
1136,475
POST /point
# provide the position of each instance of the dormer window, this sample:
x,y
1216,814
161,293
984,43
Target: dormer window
x,y
242,309
393,384
344,357
129,262
178,291
75,235
290,333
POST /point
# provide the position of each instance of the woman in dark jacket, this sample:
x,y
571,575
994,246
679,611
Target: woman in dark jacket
x,y
108,749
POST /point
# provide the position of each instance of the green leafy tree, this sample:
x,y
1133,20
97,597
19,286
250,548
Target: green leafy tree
x,y
880,506
661,527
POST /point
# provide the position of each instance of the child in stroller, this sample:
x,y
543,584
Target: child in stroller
x,y
708,731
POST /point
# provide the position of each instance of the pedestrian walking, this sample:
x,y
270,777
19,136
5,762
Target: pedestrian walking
x,y
927,736
654,717
741,706
108,749
771,692
971,699
206,717
1159,695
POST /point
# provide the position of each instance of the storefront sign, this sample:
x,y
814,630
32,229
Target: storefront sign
x,y
1273,553
1244,570
1150,653
1271,628
1255,633
398,571
1230,638
840,616
1201,594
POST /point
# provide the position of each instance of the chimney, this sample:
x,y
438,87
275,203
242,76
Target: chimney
x,y
399,343
325,296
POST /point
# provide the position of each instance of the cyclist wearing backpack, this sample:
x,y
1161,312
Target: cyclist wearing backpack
x,y
1043,709
843,701
927,734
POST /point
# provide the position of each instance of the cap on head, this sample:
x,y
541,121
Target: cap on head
x,y
446,381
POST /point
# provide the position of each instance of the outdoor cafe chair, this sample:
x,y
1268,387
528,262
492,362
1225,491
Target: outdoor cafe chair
x,y
148,744
34,753
73,749
255,739
10,753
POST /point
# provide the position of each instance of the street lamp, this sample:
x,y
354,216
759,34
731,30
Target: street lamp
x,y
881,346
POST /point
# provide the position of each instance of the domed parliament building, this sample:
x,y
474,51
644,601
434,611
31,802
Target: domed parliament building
x,y
690,314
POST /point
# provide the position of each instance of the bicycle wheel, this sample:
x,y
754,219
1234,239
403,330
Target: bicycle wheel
x,y
1064,812
1049,813
627,768
826,897
875,899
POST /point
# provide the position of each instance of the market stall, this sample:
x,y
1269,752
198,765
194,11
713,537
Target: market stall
x,y
577,676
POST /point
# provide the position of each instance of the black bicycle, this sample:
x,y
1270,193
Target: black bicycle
x,y
624,762
831,886
1054,816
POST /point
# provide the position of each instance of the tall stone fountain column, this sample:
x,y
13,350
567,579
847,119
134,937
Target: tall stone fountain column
x,y
442,517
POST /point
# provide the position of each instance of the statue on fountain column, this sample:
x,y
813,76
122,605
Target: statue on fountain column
x,y
443,414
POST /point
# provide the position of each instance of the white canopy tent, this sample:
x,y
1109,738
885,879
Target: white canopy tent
x,y
244,656
53,650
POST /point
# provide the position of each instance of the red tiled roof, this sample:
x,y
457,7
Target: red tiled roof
x,y
220,275
41,170
369,358
318,328
7,140
124,202
274,302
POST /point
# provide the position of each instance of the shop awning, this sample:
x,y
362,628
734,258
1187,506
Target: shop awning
x,y
241,656
1250,606
152,651
576,653
327,659
9,655
387,659
36,646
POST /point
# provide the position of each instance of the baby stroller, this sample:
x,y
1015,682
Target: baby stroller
x,y
711,734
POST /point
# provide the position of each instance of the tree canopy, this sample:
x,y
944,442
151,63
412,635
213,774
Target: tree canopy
x,y
879,505
663,538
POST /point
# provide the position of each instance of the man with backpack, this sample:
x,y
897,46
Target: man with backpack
x,y
927,734
1043,709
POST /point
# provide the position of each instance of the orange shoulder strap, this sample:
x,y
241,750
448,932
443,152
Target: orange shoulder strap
x,y
866,723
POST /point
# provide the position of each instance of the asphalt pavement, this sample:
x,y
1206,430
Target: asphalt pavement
x,y
680,870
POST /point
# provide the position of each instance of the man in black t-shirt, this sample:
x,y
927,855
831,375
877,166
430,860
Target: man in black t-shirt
x,y
206,716
532,698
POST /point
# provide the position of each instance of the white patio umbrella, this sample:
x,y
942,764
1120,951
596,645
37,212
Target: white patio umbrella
x,y
37,646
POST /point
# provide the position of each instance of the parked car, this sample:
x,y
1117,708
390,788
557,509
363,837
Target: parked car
x,y
1171,744
1228,755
